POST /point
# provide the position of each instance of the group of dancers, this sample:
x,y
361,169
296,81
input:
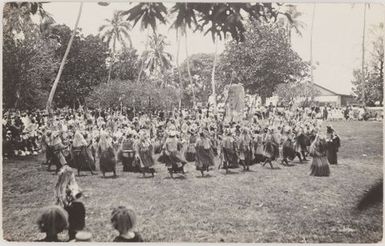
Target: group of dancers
x,y
82,140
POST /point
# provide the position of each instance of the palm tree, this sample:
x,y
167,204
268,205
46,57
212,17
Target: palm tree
x,y
291,21
363,55
116,30
53,89
311,44
156,59
149,14
185,17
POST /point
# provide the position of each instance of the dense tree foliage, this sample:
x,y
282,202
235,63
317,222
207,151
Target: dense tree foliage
x,y
31,62
143,97
85,66
29,67
264,60
291,93
200,69
126,65
369,88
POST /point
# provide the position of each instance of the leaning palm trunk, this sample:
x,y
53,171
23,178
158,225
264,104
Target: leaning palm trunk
x,y
213,78
112,62
142,63
178,68
56,82
188,70
311,46
363,56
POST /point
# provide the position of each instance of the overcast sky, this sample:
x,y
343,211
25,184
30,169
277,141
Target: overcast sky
x,y
336,41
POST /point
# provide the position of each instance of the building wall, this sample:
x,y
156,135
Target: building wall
x,y
347,100
332,99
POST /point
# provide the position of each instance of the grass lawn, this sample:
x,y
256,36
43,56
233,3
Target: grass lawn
x,y
264,205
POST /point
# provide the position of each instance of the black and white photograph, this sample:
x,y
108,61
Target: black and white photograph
x,y
198,122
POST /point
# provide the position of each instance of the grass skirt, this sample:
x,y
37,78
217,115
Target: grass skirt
x,y
146,157
320,167
271,151
174,157
190,153
107,161
204,158
231,158
288,151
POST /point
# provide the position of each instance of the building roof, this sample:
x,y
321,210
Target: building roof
x,y
333,92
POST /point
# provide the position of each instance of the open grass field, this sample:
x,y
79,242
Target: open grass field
x,y
263,205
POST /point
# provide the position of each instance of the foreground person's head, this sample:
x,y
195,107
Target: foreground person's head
x,y
123,219
52,220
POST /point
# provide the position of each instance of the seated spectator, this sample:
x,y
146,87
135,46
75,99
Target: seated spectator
x,y
53,220
76,218
124,220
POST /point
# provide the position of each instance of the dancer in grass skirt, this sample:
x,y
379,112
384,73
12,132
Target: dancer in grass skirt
x,y
320,164
190,151
107,155
258,146
244,149
127,152
171,155
269,150
288,152
144,153
230,159
204,153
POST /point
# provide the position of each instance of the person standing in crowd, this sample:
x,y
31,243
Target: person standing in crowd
x,y
325,113
333,144
346,113
57,152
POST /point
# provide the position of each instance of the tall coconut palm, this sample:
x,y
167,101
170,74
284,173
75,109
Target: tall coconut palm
x,y
116,31
156,59
363,54
291,21
56,82
185,18
149,14
178,69
311,44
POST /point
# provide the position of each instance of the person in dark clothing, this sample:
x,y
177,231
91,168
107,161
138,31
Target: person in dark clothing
x,y
325,114
333,144
124,220
346,113
76,218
